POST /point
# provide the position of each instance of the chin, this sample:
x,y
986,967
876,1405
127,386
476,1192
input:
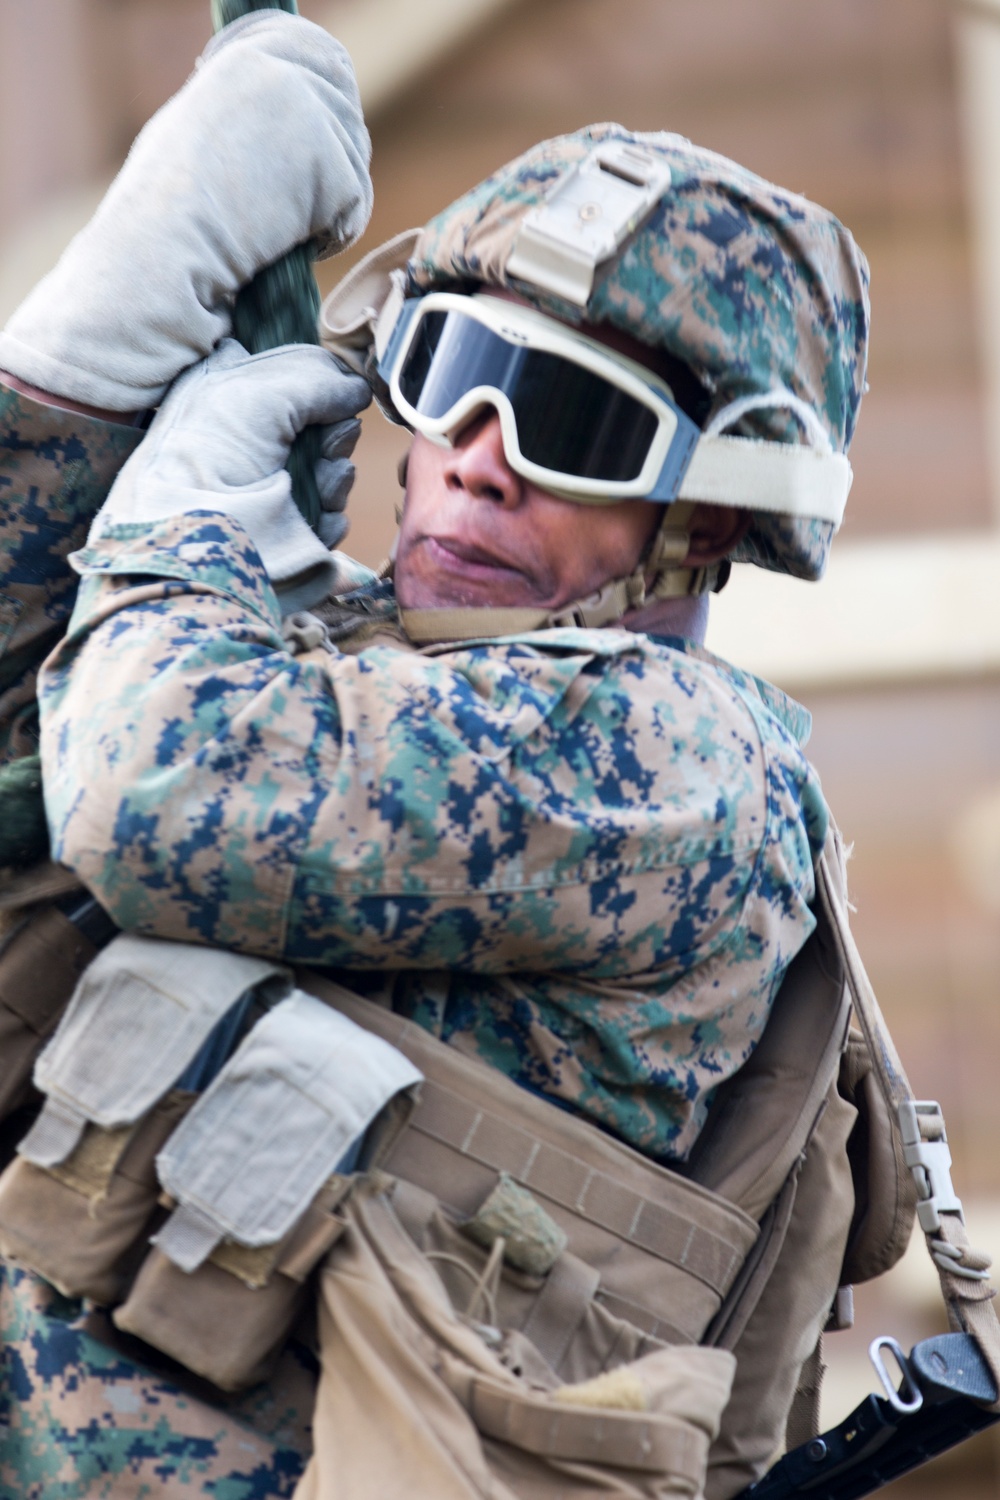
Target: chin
x,y
421,585
451,595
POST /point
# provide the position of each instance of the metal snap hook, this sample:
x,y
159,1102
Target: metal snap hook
x,y
909,1397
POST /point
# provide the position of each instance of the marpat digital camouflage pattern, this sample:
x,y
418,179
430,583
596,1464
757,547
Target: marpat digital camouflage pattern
x,y
57,469
584,856
81,1420
752,287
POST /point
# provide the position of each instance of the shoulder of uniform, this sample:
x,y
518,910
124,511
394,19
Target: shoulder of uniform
x,y
791,714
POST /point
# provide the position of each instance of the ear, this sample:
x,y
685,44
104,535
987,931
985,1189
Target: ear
x,y
714,531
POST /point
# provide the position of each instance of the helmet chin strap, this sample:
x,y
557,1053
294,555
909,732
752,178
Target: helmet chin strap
x,y
659,575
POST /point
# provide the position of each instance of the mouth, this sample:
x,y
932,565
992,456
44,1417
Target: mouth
x,y
457,556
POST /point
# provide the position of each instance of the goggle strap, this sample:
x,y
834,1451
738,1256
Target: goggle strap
x,y
786,478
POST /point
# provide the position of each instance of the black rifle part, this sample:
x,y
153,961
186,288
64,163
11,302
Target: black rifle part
x,y
877,1442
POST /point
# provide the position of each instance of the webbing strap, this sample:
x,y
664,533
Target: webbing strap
x,y
661,1445
888,1068
561,1306
786,478
968,1295
603,608
563,1179
426,626
804,1418
968,1299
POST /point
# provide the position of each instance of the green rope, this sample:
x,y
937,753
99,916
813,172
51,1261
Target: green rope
x,y
24,835
281,304
224,11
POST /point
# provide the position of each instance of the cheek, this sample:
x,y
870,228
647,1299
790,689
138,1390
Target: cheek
x,y
613,538
423,462
422,498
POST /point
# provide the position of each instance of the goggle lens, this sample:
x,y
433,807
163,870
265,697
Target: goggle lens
x,y
569,419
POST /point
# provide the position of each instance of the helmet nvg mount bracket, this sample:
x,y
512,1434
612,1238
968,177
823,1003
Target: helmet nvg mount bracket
x,y
585,220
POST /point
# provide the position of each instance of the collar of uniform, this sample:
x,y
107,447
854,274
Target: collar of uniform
x,y
372,609
371,604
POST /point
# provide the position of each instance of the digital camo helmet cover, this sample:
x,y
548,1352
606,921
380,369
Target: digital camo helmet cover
x,y
752,287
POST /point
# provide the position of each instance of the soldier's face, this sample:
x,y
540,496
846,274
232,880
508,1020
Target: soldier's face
x,y
475,533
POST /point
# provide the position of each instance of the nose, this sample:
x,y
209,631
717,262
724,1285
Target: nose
x,y
478,464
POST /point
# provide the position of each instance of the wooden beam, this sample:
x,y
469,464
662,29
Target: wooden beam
x,y
904,609
978,62
393,42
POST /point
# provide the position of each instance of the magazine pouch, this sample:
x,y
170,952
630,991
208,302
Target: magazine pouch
x,y
77,1200
253,1172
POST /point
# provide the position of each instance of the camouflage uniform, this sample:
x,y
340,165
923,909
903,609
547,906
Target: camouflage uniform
x,y
57,468
584,856
80,1420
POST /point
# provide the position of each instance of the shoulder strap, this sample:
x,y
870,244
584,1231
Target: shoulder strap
x,y
963,1271
762,1119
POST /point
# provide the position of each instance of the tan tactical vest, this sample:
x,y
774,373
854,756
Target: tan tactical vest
x,y
571,1258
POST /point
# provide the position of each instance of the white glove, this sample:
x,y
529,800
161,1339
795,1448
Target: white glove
x,y
220,442
263,148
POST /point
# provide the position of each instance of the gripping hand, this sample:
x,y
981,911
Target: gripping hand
x,y
264,148
220,442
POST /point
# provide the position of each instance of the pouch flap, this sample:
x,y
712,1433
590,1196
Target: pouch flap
x,y
256,1148
138,1017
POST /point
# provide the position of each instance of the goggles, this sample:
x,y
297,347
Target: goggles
x,y
577,418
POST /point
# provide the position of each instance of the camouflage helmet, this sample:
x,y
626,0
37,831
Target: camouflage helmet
x,y
761,294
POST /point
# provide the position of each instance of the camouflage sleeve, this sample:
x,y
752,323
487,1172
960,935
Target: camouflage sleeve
x,y
56,468
590,803
82,1419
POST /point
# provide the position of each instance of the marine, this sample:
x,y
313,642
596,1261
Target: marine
x,y
504,791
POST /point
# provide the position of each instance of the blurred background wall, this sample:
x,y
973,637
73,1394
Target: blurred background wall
x,y
886,111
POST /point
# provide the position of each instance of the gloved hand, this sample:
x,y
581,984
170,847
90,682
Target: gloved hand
x,y
220,442
335,478
262,149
